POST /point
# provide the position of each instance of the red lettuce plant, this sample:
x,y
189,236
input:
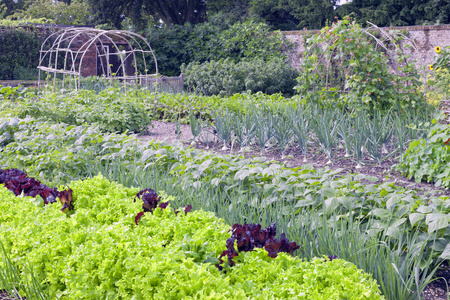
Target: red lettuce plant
x,y
151,200
19,183
249,236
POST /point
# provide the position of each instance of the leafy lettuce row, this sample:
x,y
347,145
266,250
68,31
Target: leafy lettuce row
x,y
98,252
61,152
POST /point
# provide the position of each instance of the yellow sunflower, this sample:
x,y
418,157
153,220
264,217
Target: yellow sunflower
x,y
431,67
438,49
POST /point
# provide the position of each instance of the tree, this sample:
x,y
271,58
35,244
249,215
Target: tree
x,y
169,12
8,7
75,13
294,14
397,12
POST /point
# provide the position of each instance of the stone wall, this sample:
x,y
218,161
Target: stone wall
x,y
426,38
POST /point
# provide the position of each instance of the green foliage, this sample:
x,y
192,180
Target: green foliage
x,y
225,77
428,159
10,276
294,14
247,189
19,53
110,110
214,40
11,93
118,259
61,152
355,73
179,106
397,13
440,77
76,13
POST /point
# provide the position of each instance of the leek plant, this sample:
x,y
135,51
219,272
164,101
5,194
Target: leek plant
x,y
344,134
12,280
262,134
281,128
325,126
195,124
358,139
223,126
301,128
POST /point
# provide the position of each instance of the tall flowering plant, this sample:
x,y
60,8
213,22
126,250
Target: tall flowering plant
x,y
440,70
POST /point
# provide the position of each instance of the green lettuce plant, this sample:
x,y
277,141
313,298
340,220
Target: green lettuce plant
x,y
99,252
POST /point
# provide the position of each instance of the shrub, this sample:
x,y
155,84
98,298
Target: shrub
x,y
428,159
213,40
226,77
19,53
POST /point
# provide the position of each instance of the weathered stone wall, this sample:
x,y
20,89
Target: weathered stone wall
x,y
426,38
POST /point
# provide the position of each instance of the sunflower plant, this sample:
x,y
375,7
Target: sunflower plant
x,y
441,70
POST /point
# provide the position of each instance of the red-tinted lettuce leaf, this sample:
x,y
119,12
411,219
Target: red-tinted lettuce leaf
x,y
186,209
138,217
332,257
163,205
274,246
19,183
66,199
249,236
150,199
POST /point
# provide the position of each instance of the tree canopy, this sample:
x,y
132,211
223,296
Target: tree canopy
x,y
398,12
278,14
170,12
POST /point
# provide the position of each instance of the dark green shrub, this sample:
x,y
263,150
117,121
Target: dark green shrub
x,y
19,53
226,77
214,40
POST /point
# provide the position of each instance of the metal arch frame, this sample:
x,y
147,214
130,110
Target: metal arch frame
x,y
63,43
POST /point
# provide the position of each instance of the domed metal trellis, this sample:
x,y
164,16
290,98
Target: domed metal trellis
x,y
112,54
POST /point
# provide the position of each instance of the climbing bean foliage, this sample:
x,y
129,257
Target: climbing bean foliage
x,y
99,253
345,65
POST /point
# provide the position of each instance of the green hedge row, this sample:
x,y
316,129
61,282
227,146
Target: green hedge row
x,y
99,253
19,53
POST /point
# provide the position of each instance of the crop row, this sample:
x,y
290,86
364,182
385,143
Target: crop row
x,y
248,190
99,253
365,138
